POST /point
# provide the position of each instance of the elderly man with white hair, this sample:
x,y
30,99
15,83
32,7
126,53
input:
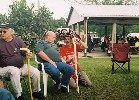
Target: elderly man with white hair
x,y
12,62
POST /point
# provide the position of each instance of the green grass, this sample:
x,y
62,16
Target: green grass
x,y
105,85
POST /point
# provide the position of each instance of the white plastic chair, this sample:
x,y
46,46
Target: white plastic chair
x,y
45,77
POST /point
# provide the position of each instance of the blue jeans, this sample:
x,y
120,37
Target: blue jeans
x,y
5,95
54,72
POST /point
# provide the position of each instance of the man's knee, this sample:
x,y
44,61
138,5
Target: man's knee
x,y
56,73
71,70
86,79
35,71
53,71
15,71
72,83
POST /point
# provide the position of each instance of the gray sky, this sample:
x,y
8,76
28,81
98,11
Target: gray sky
x,y
60,8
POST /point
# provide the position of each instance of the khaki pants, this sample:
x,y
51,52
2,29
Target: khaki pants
x,y
82,78
14,74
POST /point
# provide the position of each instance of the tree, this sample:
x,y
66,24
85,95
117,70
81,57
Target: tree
x,y
58,23
3,18
29,24
21,17
41,21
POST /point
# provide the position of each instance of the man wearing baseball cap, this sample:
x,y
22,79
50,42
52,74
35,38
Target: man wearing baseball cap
x,y
12,64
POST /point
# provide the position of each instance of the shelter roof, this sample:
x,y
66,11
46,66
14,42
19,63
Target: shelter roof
x,y
104,14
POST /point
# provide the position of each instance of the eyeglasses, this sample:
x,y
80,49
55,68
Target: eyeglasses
x,y
3,31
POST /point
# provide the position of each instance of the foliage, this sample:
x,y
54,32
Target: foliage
x,y
3,18
41,21
112,2
133,29
61,22
101,29
21,16
29,24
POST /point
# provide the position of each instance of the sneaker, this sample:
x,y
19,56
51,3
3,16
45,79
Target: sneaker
x,y
64,89
20,98
38,95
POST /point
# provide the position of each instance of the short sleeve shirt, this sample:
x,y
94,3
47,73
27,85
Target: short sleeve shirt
x,y
10,54
51,50
69,52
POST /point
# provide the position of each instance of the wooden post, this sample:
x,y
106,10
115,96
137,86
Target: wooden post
x,y
85,32
78,28
114,33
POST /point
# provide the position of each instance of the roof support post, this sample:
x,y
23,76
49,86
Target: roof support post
x,y
114,33
73,27
85,32
106,33
123,33
78,28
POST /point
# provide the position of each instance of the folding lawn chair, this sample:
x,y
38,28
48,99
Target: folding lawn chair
x,y
120,57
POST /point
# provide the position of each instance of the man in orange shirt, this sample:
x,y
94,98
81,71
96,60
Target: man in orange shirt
x,y
67,52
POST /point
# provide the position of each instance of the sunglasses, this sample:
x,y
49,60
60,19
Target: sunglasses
x,y
3,31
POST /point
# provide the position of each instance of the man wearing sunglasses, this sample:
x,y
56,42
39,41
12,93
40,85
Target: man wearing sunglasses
x,y
12,65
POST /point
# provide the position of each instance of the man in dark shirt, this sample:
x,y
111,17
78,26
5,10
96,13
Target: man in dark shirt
x,y
11,62
48,54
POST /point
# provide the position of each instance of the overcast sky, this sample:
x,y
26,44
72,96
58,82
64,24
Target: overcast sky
x,y
60,8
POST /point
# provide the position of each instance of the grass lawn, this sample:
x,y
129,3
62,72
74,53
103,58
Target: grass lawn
x,y
105,85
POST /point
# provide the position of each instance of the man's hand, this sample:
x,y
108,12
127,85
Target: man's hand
x,y
63,60
70,59
53,63
77,36
1,84
29,55
76,39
